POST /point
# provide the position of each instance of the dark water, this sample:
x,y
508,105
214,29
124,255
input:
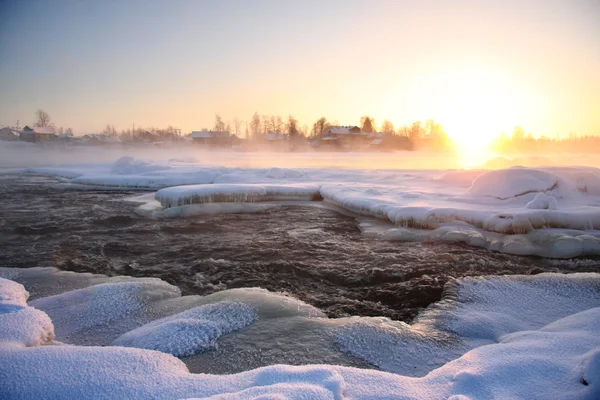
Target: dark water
x,y
314,254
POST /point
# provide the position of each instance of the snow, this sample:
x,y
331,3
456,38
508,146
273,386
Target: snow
x,y
542,202
527,337
191,331
234,193
544,211
81,314
474,312
512,182
20,324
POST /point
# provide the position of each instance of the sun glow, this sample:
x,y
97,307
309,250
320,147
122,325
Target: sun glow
x,y
476,105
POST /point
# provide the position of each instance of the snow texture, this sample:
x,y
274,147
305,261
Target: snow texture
x,y
20,324
474,312
537,339
191,331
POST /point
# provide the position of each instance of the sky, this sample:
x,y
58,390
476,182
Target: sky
x,y
476,66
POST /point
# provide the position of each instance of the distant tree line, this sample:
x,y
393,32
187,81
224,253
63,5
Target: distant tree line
x,y
522,142
416,135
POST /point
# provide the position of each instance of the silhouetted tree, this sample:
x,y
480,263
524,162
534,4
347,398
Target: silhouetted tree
x,y
292,127
416,131
236,123
387,127
219,124
255,126
320,127
42,118
367,124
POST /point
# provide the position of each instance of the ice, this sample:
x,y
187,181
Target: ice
x,y
20,324
474,312
542,202
506,183
12,293
234,193
537,337
88,313
191,331
468,206
130,166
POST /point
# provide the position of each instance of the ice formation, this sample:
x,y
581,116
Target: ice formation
x,y
530,337
545,211
191,331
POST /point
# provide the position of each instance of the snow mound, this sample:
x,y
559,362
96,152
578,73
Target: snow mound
x,y
541,364
78,313
397,347
19,323
130,166
542,202
191,331
506,183
543,343
474,312
462,178
12,293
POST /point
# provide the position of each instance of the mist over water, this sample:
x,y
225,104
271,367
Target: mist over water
x,y
24,155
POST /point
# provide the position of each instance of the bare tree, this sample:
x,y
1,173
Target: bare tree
x,y
266,123
219,124
387,127
416,131
42,118
278,125
320,127
237,123
255,126
291,127
69,131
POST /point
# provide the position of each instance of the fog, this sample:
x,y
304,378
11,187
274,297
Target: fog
x,y
22,155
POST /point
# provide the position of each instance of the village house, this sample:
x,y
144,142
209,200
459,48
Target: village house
x,y
346,136
211,138
9,134
37,134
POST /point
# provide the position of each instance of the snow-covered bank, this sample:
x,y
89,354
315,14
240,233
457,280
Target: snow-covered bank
x,y
530,337
548,211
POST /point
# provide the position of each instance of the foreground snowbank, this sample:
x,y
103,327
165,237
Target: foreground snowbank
x,y
550,212
537,337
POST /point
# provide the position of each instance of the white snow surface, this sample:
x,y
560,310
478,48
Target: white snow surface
x,y
20,324
542,343
191,331
544,211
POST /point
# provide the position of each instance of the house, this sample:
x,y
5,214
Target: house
x,y
211,138
37,134
9,134
347,136
344,131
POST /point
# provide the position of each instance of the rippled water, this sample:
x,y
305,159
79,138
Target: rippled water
x,y
312,253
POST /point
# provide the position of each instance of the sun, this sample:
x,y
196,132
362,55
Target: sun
x,y
477,104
